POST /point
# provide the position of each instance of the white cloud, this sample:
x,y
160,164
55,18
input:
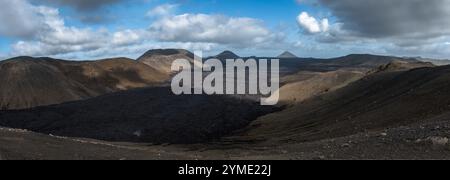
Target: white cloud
x,y
58,33
54,37
43,32
128,37
325,25
392,19
210,29
134,50
18,18
162,10
60,41
311,25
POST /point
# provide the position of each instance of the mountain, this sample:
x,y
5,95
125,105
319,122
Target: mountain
x,y
161,59
45,81
287,54
226,55
153,115
29,82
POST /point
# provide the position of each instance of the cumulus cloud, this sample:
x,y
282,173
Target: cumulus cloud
x,y
50,36
311,24
162,10
210,29
399,19
129,37
54,37
18,18
400,27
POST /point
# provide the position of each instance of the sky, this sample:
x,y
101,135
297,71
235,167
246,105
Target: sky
x,y
87,29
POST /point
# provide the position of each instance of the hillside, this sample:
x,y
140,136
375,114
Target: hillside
x,y
375,102
308,85
30,82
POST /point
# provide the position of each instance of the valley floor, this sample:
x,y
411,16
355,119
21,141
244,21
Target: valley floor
x,y
418,141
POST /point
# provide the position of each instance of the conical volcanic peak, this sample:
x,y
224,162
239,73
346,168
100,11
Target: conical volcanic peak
x,y
287,54
227,55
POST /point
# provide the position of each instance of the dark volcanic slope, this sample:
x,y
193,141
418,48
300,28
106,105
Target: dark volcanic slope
x,y
29,82
150,115
378,101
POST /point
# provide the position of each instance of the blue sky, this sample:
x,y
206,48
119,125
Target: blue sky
x,y
84,29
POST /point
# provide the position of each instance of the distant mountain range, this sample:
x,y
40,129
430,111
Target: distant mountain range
x,y
30,82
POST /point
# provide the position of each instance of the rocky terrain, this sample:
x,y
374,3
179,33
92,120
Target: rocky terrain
x,y
377,101
417,141
152,115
